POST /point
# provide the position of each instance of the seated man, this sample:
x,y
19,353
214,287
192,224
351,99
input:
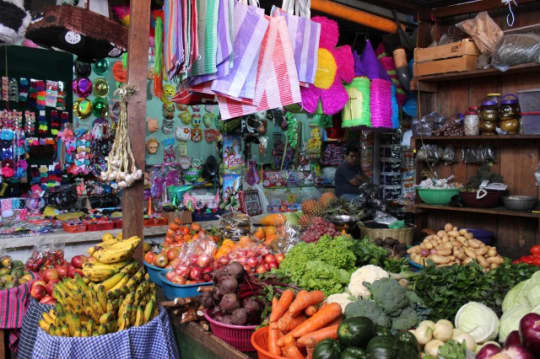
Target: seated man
x,y
349,176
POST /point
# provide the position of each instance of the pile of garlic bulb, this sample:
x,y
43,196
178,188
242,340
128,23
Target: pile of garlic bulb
x,y
120,161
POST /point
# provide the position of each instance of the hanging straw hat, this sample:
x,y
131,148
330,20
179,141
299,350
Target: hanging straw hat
x,y
87,34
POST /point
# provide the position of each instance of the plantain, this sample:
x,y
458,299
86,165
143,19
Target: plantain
x,y
130,268
120,284
90,326
105,318
64,330
44,325
98,272
52,330
149,310
102,298
117,252
135,279
139,316
48,318
101,329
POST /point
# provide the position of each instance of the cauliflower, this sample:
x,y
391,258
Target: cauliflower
x,y
343,299
368,273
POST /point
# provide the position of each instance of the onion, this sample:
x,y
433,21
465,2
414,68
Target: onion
x,y
488,351
529,327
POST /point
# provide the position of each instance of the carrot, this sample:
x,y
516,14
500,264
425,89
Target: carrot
x,y
336,322
305,299
294,322
292,352
273,336
285,322
286,340
310,351
282,305
274,306
318,320
310,310
311,339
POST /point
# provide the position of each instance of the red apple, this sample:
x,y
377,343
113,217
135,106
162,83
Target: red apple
x,y
78,261
261,269
203,260
195,273
172,253
269,258
63,270
50,286
170,275
50,274
48,300
272,265
178,279
38,289
279,257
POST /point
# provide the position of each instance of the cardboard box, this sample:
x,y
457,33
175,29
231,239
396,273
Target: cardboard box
x,y
454,57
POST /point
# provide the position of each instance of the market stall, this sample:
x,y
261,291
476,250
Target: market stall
x,y
241,179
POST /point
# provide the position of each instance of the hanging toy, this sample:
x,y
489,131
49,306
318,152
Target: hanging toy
x,y
120,161
292,129
209,118
196,134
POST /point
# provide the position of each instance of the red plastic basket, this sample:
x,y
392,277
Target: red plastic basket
x,y
74,228
239,336
100,226
259,339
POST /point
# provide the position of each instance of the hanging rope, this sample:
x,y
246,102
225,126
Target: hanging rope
x,y
510,18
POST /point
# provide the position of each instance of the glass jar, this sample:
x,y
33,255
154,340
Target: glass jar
x,y
509,125
471,123
489,115
488,127
509,108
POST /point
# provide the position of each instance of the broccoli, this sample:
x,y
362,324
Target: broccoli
x,y
367,308
389,295
406,320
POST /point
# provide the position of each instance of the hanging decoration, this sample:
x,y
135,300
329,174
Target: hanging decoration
x,y
357,111
100,107
82,108
82,86
120,161
101,66
334,66
101,87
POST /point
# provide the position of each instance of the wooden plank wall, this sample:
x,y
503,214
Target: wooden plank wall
x,y
516,161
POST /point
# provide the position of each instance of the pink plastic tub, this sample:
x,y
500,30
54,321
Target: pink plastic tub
x,y
236,335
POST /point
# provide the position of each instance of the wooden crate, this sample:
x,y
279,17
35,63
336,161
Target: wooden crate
x,y
454,57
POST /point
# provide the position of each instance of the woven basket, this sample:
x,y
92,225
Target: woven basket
x,y
80,31
403,235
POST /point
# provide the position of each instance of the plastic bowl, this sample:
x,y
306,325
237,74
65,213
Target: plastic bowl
x,y
438,196
259,340
519,203
153,272
173,290
415,266
236,335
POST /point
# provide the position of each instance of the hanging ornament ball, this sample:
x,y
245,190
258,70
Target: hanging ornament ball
x,y
101,66
82,69
84,108
82,87
100,107
76,107
101,87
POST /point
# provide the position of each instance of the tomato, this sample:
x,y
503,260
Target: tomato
x,y
184,230
535,250
536,261
149,257
527,259
516,261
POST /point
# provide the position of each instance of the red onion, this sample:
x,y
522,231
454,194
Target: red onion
x,y
488,351
512,339
529,327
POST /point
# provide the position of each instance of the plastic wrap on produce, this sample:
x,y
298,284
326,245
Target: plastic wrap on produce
x,y
517,49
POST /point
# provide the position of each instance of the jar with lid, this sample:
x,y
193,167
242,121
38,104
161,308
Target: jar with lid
x,y
471,123
509,114
489,115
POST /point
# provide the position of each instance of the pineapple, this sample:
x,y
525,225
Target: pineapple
x,y
327,198
312,207
305,220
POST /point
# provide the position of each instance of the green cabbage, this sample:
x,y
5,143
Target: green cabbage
x,y
510,320
478,320
514,298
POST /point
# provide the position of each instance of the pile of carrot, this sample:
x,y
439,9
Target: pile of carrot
x,y
298,323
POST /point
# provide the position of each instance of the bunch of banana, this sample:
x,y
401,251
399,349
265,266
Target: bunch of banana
x,y
121,301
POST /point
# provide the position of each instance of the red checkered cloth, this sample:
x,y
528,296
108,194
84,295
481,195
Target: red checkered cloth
x,y
13,305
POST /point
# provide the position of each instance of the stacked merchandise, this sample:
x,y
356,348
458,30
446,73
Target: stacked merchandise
x,y
390,174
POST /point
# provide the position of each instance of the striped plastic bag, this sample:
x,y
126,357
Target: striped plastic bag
x,y
277,82
250,26
305,35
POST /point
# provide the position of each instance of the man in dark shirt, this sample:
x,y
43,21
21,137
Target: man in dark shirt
x,y
349,175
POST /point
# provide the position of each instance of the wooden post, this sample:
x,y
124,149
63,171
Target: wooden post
x,y
133,197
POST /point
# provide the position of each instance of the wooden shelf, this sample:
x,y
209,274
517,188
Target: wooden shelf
x,y
494,211
478,138
452,76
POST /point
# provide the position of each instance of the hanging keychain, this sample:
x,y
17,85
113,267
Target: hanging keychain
x,y
510,18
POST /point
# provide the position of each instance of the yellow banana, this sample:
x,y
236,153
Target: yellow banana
x,y
136,278
102,298
139,317
98,272
120,284
149,310
44,325
117,252
111,281
130,268
105,318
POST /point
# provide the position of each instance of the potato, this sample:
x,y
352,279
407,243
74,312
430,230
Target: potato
x,y
493,265
430,237
455,229
482,261
441,233
463,232
454,234
448,227
443,251
461,255
469,236
461,239
475,243
457,244
467,260
492,252
470,253
481,251
428,245
496,259
439,259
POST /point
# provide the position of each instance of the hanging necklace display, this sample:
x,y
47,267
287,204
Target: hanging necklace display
x,y
120,161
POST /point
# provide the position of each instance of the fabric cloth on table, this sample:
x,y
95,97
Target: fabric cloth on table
x,y
13,305
152,340
29,328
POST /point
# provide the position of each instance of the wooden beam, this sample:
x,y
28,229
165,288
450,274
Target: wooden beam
x,y
133,197
471,7
399,5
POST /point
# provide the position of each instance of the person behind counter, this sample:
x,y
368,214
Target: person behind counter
x,y
349,175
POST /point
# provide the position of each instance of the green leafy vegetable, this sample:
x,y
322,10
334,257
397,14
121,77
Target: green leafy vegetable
x,y
326,265
446,289
368,252
453,350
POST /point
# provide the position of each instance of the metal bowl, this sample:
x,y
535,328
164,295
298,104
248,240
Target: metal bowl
x,y
342,219
519,203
